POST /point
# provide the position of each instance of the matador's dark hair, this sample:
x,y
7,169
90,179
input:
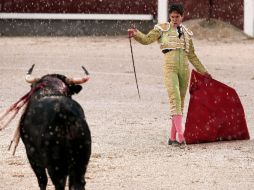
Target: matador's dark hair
x,y
177,8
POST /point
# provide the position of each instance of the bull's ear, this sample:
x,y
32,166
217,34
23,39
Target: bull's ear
x,y
75,89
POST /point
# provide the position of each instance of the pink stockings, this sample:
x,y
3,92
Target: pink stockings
x,y
177,128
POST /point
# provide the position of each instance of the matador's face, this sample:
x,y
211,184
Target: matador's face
x,y
176,18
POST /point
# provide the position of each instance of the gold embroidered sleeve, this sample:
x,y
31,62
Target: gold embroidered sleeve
x,y
149,38
194,60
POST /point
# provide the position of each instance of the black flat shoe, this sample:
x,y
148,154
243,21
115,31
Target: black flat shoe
x,y
181,144
170,142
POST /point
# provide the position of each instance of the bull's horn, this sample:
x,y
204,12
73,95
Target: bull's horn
x,y
29,72
29,78
79,80
86,72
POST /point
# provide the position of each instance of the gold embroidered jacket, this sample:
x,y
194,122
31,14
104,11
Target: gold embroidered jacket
x,y
167,36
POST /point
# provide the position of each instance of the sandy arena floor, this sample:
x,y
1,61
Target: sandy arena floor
x,y
130,135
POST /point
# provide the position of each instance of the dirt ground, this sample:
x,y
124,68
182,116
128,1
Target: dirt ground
x,y
129,149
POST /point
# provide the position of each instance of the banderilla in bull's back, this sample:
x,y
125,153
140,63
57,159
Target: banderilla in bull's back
x,y
53,129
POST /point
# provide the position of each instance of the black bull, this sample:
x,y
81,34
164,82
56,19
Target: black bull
x,y
55,134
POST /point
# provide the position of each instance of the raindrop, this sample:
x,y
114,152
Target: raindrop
x,y
32,149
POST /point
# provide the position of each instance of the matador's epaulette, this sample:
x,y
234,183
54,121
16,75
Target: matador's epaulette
x,y
187,30
162,27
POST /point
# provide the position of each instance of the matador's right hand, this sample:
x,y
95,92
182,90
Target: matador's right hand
x,y
132,32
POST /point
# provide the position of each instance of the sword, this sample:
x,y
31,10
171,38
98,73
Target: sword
x,y
134,68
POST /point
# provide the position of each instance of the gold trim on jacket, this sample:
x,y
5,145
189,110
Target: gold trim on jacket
x,y
168,39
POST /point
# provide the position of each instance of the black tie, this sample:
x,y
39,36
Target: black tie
x,y
179,32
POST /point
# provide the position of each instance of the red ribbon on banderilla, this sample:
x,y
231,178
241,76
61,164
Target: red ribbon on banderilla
x,y
8,115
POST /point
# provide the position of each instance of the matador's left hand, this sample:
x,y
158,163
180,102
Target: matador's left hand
x,y
207,75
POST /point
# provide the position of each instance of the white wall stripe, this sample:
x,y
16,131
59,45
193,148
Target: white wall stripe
x,y
58,16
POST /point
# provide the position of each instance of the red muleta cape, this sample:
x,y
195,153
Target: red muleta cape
x,y
215,112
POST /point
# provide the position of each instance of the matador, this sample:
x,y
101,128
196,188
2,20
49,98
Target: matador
x,y
176,44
